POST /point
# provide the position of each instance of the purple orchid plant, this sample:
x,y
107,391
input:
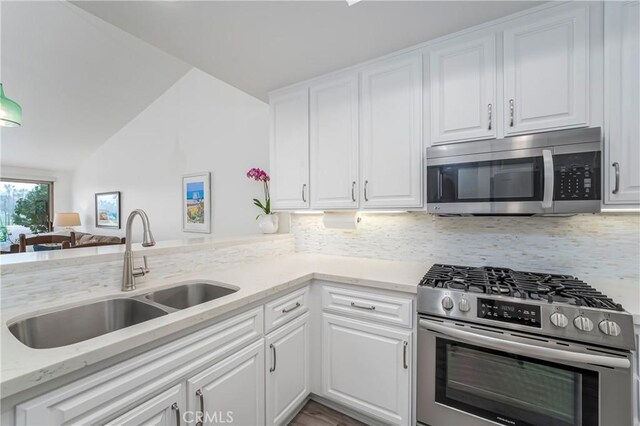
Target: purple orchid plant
x,y
261,176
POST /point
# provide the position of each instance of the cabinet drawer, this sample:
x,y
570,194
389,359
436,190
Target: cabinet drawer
x,y
285,308
375,306
97,397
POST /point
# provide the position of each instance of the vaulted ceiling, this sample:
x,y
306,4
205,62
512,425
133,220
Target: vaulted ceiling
x,y
258,46
78,79
82,70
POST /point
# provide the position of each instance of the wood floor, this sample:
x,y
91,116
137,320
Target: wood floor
x,y
314,414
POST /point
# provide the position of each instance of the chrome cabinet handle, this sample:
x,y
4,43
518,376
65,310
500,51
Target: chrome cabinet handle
x,y
273,353
175,408
201,397
511,112
366,197
547,197
353,191
304,187
404,354
617,187
490,116
368,308
287,310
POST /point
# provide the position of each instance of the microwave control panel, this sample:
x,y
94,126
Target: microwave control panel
x,y
577,176
504,311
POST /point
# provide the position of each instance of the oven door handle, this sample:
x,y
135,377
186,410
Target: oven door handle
x,y
547,197
525,349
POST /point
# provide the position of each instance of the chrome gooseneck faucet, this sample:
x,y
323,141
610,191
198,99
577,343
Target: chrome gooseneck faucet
x,y
130,273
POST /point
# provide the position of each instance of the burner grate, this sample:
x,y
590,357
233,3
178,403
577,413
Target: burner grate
x,y
524,285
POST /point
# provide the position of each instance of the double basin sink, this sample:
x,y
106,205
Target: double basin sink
x,y
76,324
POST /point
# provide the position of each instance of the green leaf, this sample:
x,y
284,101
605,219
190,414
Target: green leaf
x,y
267,209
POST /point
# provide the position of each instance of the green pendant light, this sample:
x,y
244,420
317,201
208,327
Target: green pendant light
x,y
10,112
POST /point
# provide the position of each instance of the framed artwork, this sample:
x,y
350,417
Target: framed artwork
x,y
196,202
108,210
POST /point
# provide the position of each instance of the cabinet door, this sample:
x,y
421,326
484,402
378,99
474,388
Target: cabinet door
x,y
289,149
287,369
165,409
391,133
545,71
622,132
334,143
463,89
367,367
232,391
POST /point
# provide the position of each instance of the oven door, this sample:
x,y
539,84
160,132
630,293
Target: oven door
x,y
506,182
470,375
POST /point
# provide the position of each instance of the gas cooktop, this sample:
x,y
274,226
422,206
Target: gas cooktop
x,y
532,302
523,285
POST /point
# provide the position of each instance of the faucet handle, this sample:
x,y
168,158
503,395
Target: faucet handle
x,y
142,271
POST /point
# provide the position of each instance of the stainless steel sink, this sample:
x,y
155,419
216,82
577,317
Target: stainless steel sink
x,y
187,295
76,324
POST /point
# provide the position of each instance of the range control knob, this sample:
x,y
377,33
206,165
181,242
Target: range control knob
x,y
447,303
609,328
463,305
583,323
559,320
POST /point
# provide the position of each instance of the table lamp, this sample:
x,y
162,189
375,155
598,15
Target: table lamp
x,y
67,220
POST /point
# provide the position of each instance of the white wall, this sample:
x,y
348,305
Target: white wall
x,y
199,124
62,200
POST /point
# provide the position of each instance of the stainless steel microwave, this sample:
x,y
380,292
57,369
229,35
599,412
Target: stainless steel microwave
x,y
548,173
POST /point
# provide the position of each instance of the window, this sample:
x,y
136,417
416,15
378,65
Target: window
x,y
25,208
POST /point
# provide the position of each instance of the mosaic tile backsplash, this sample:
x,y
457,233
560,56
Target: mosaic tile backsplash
x,y
93,279
582,245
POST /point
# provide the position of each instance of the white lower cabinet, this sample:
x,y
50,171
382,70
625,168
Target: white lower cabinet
x,y
287,369
232,391
367,367
228,373
162,410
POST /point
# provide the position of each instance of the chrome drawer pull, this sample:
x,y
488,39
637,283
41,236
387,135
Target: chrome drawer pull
x,y
353,191
368,308
366,197
175,408
617,187
200,421
287,310
490,116
511,112
273,352
404,355
304,187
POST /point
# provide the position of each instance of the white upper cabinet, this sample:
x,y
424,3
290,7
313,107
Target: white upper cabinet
x,y
289,149
463,89
545,71
391,133
622,134
334,143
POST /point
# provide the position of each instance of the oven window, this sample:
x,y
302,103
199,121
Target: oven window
x,y
519,179
514,390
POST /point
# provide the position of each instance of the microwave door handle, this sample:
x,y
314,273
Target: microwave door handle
x,y
547,198
525,349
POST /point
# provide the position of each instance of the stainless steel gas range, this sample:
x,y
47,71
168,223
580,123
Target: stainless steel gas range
x,y
497,346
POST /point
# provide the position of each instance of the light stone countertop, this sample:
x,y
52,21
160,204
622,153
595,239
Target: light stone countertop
x,y
23,367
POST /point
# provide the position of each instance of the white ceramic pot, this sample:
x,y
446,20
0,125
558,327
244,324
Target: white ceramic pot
x,y
268,223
